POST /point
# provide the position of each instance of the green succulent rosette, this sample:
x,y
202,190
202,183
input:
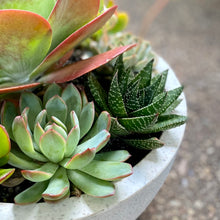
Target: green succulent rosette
x,y
58,140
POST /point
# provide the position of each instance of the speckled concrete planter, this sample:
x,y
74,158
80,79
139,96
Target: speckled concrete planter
x,y
133,194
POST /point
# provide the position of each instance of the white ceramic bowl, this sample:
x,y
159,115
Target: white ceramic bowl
x,y
133,194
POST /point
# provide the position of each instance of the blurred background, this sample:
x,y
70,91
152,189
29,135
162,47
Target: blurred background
x,y
187,34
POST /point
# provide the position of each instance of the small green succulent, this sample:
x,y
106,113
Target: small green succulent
x,y
138,103
57,143
5,146
37,38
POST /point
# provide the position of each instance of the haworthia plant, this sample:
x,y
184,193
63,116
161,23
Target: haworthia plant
x,y
138,103
58,143
37,38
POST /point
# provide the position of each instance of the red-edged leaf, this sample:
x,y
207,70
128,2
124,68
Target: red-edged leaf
x,y
5,174
5,144
68,16
78,69
18,88
73,40
25,41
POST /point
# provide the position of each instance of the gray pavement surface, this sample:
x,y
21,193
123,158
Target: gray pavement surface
x,y
187,35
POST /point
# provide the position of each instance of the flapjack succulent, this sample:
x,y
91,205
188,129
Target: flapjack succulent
x,y
37,38
57,144
139,104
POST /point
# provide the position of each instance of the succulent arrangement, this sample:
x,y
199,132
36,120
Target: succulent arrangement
x,y
138,103
51,134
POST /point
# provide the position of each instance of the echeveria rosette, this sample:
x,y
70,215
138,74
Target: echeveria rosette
x,y
35,35
58,142
139,104
5,147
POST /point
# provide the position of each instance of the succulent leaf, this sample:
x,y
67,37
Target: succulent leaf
x,y
56,107
35,106
115,99
8,113
32,194
52,145
79,160
96,187
107,170
68,16
145,144
119,155
58,186
43,173
52,90
5,174
5,144
24,140
40,7
86,118
117,128
21,45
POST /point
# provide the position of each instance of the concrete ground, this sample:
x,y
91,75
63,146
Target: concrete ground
x,y
187,35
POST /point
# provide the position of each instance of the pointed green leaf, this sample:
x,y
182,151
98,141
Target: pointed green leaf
x,y
161,87
84,98
137,124
72,141
24,140
151,109
73,40
144,76
79,160
74,119
40,7
103,122
68,16
98,92
25,41
5,144
107,170
32,194
145,144
73,100
115,99
35,106
123,80
147,94
8,113
172,107
86,118
51,91
5,174
117,128
56,107
58,186
172,95
43,173
91,185
52,145
118,155
166,122
98,142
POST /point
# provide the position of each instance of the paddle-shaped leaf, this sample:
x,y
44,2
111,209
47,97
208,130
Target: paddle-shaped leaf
x,y
107,170
43,173
52,145
91,185
68,16
118,155
58,186
25,41
32,194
